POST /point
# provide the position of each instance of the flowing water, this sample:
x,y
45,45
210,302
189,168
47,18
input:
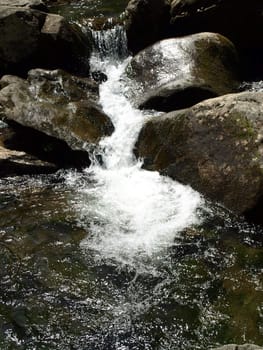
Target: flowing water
x,y
119,258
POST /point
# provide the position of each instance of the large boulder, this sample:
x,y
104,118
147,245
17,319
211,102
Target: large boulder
x,y
63,45
214,146
31,38
146,22
57,104
177,73
240,21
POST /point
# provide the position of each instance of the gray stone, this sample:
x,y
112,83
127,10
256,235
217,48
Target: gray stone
x,y
179,72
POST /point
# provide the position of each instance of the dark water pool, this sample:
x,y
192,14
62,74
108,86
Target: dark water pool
x,y
76,11
205,290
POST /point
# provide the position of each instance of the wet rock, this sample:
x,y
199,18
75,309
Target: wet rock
x,y
63,46
40,147
19,37
99,76
239,347
20,163
146,22
56,104
177,73
214,146
14,162
30,38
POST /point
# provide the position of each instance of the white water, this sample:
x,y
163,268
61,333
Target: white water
x,y
131,215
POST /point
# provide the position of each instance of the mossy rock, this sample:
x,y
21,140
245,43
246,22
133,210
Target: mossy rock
x,y
215,146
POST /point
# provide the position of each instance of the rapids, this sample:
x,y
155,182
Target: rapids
x,y
137,213
118,258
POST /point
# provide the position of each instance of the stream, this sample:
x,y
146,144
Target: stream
x,y
119,258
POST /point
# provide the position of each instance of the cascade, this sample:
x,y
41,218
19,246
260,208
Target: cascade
x,y
109,43
131,214
103,260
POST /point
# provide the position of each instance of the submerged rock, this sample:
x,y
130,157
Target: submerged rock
x,y
146,22
214,146
177,73
57,104
30,39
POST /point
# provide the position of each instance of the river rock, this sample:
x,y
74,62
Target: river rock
x,y
239,21
15,162
214,146
146,22
57,104
239,347
20,163
30,39
179,72
33,4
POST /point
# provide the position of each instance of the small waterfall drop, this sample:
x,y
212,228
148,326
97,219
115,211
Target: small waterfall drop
x,y
110,43
131,215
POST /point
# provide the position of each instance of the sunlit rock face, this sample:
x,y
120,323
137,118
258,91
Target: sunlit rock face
x,y
30,38
177,73
215,146
57,104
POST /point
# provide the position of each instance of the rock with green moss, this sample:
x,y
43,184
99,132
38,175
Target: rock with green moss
x,y
57,104
214,146
177,73
30,38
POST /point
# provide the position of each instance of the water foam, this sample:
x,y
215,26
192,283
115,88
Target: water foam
x,y
131,214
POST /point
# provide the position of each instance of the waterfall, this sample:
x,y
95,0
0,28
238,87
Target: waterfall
x,y
131,215
110,43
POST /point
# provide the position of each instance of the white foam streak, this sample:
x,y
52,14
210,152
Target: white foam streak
x,y
131,214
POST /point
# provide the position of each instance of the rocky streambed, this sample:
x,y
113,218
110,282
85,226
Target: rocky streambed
x,y
101,246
